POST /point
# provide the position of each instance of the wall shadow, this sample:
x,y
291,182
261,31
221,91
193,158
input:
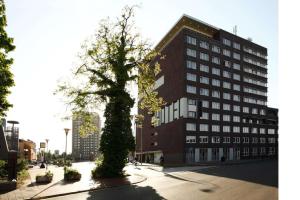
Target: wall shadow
x,y
261,172
131,192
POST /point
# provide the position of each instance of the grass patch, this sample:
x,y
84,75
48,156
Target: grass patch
x,y
22,176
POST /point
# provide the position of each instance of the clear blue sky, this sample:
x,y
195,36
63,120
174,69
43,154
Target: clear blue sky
x,y
48,35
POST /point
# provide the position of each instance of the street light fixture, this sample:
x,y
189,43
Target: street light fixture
x,y
66,131
47,140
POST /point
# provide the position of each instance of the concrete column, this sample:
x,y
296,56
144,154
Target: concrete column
x,y
230,153
208,154
220,153
196,154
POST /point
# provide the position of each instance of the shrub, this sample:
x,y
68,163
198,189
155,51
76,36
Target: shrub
x,y
21,165
3,168
45,178
71,174
107,171
60,162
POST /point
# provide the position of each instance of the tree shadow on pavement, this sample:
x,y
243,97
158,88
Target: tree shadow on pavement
x,y
262,172
131,192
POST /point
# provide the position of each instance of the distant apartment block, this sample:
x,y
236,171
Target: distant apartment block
x,y
85,148
215,86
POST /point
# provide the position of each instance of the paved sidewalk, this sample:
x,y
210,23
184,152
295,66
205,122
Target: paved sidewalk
x,y
58,187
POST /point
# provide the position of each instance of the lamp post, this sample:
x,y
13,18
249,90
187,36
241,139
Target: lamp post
x,y
47,140
14,142
66,131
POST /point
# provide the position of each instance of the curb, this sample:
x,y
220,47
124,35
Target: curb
x,y
219,164
91,189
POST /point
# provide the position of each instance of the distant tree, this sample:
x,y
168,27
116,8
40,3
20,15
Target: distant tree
x,y
116,58
6,77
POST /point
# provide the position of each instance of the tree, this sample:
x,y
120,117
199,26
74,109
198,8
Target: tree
x,y
115,58
6,77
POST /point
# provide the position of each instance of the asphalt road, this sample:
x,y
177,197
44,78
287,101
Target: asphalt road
x,y
252,181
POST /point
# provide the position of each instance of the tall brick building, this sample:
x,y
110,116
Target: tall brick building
x,y
215,87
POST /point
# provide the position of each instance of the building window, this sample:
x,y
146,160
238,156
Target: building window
x,y
191,77
236,140
236,108
203,127
236,97
254,130
226,42
246,151
192,114
236,56
226,52
236,87
215,94
254,81
191,89
271,140
215,117
205,104
262,150
191,40
236,66
226,129
271,131
262,140
215,128
226,96
263,112
262,130
226,118
204,45
246,109
254,151
254,140
204,92
191,64
254,111
215,71
190,139
215,105
246,140
236,45
204,56
215,139
236,129
226,106
271,151
204,80
236,77
192,102
191,52
190,126
226,85
205,115
215,82
226,139
236,119
203,139
227,63
204,68
226,74
216,60
216,49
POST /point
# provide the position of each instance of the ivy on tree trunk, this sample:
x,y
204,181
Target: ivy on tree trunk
x,y
115,58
